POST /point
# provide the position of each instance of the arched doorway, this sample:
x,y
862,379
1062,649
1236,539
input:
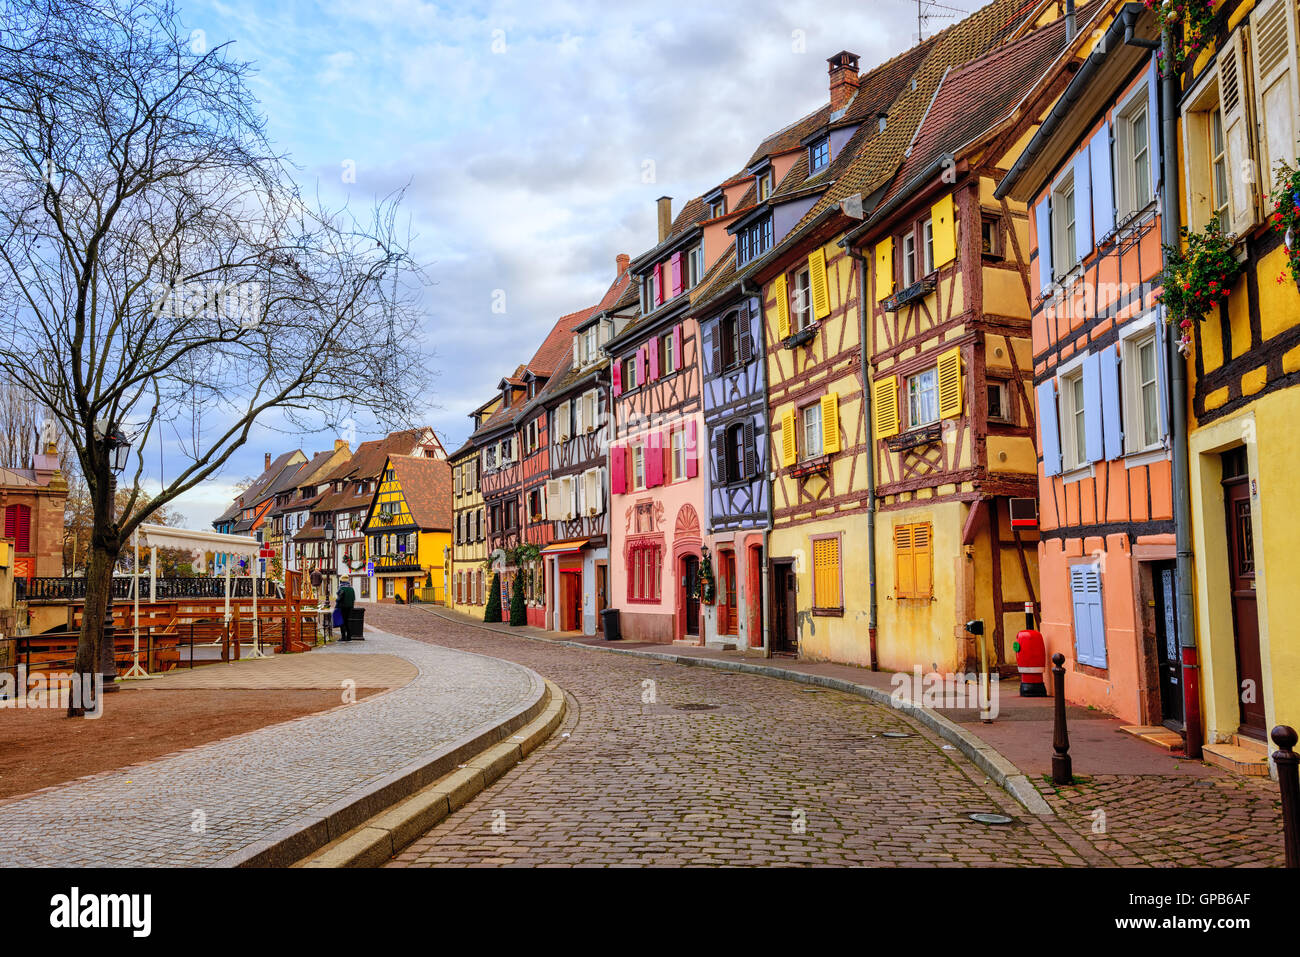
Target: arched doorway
x,y
690,585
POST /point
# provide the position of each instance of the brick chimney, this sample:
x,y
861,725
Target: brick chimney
x,y
844,78
341,445
268,462
621,262
665,204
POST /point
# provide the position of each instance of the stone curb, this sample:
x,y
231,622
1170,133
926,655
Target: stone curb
x,y
994,764
377,840
312,831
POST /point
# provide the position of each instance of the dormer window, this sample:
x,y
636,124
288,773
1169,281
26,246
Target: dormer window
x,y
819,154
718,207
754,240
694,266
764,185
590,344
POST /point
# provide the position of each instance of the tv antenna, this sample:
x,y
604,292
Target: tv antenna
x,y
927,10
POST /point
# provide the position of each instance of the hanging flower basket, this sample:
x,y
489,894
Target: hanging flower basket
x,y
1286,217
1190,24
1199,273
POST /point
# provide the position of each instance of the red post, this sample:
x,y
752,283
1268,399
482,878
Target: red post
x,y
1192,703
1288,784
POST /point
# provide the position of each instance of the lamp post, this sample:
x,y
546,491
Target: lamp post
x,y
330,562
117,447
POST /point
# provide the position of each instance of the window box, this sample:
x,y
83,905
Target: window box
x,y
800,338
914,438
810,466
917,290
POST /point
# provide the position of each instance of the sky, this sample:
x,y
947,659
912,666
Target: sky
x,y
533,140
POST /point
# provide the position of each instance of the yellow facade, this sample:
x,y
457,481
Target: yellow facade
x,y
400,574
469,549
1244,405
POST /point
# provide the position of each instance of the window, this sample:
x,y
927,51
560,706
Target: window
x,y
1218,171
923,398
927,247
18,526
908,260
590,338
388,587
1142,401
365,586
1133,156
630,365
734,453
666,356
1064,248
819,154
694,266
998,401
1089,623
802,312
644,571
638,467
826,576
754,240
728,332
764,185
677,443
913,561
1073,423
812,430
990,237
718,207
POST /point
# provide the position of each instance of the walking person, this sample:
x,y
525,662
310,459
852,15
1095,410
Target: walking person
x,y
347,597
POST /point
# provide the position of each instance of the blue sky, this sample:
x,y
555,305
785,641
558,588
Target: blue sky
x,y
525,133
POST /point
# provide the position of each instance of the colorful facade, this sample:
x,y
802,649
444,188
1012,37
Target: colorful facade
x,y
408,530
468,589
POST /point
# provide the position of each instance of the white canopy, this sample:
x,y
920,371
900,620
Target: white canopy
x,y
161,536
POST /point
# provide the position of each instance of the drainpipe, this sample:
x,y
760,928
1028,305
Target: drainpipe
x,y
1069,20
1170,220
766,599
871,453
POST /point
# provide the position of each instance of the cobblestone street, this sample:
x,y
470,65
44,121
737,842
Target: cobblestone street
x,y
723,768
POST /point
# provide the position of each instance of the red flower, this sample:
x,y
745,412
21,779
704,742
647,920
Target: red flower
x,y
1225,294
1213,283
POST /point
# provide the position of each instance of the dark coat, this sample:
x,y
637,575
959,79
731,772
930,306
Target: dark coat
x,y
347,598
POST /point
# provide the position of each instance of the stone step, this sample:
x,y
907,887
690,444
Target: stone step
x,y
1156,734
1250,744
1237,759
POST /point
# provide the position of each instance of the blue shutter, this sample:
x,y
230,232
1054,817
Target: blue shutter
x,y
1043,220
1103,186
1162,373
1092,408
1153,128
1089,623
1082,205
1048,428
1111,426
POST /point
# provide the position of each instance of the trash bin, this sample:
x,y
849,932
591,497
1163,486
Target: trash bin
x,y
357,623
609,623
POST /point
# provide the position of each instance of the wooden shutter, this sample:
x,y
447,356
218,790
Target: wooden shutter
x,y
692,450
715,345
943,230
1277,101
923,559
1049,427
720,455
789,450
904,565
676,265
1089,621
552,499
1111,428
657,284
746,335
1083,203
1043,239
652,351
826,573
1162,377
456,476
1094,451
654,460
677,346
950,390
616,370
1233,101
1103,188
618,470
884,406
884,268
830,423
751,450
1155,170
821,297
641,365
782,307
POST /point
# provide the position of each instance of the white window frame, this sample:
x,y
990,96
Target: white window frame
x,y
927,247
677,439
812,446
1123,159
638,468
907,261
1065,253
1073,457
1132,337
801,309
1004,402
913,422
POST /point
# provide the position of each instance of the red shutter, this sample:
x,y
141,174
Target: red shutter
x,y
617,470
654,460
641,365
677,346
692,450
657,278
617,367
653,346
677,274
18,526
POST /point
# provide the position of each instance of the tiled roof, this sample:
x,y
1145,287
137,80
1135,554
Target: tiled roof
x,y
262,484
311,473
426,485
366,463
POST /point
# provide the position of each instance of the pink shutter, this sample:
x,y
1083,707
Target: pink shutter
x,y
617,470
617,367
677,274
654,461
692,451
653,346
677,346
657,279
641,365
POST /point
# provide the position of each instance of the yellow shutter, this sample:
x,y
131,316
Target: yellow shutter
x,y
921,559
943,229
788,450
830,423
904,570
782,307
821,297
950,391
884,268
826,573
884,406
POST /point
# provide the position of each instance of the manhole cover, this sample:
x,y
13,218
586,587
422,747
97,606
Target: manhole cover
x,y
696,707
983,818
895,734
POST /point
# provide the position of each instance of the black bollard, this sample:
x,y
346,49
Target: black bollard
x,y
1288,783
1061,770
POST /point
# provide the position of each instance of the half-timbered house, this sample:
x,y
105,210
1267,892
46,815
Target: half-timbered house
x,y
950,367
468,590
408,529
498,451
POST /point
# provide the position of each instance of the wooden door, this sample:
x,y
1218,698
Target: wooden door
x,y
602,597
1168,657
691,593
1245,611
727,621
785,639
756,598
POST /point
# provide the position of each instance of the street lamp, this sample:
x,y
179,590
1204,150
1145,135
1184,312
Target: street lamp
x,y
330,562
117,447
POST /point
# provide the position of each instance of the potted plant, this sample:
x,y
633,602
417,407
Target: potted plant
x,y
1199,273
1286,217
1190,25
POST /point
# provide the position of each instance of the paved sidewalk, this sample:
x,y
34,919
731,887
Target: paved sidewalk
x,y
202,806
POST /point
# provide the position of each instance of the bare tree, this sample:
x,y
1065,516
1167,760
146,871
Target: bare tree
x,y
160,272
